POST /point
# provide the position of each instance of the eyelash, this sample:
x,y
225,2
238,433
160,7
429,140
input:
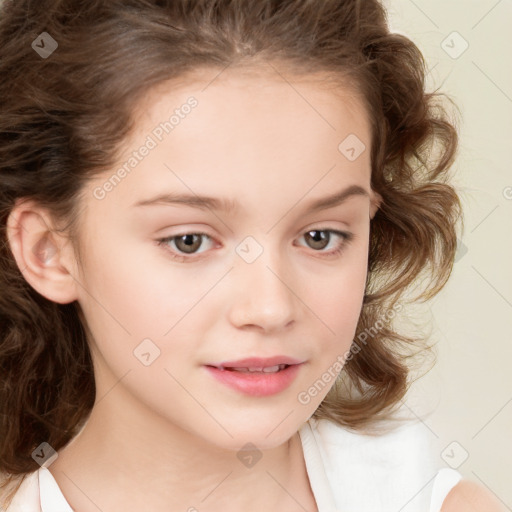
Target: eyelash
x,y
345,235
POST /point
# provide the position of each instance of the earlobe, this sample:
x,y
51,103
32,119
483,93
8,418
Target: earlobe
x,y
43,256
375,203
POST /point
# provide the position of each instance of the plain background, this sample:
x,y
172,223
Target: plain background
x,y
468,394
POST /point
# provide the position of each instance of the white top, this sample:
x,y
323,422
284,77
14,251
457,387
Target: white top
x,y
348,472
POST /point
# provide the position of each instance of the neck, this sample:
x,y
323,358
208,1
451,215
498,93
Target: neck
x,y
128,457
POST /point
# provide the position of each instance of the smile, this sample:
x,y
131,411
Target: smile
x,y
256,381
268,369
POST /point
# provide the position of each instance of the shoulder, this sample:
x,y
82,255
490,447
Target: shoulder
x,y
468,495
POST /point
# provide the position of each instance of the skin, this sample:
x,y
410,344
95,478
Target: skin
x,y
166,436
468,496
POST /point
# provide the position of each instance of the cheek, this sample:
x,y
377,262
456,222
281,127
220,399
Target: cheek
x,y
130,284
344,284
339,312
338,303
133,294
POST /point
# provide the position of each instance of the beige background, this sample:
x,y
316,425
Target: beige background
x,y
469,391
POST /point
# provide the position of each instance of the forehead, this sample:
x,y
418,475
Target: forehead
x,y
319,94
252,133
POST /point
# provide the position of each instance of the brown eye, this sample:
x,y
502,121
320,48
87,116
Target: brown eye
x,y
188,243
184,244
318,239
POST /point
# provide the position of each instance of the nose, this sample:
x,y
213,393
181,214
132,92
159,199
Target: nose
x,y
263,296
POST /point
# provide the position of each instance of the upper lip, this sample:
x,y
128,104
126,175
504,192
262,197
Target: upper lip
x,y
258,362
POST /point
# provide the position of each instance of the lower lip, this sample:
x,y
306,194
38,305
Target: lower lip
x,y
256,383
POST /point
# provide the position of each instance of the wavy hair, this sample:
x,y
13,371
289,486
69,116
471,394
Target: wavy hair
x,y
63,118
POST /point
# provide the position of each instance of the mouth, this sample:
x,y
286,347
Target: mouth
x,y
270,364
256,376
262,369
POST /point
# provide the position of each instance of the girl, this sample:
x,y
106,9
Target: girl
x,y
211,212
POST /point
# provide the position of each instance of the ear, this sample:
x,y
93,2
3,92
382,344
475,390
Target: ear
x,y
375,202
45,258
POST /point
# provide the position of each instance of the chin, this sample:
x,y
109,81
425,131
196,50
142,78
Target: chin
x,y
265,435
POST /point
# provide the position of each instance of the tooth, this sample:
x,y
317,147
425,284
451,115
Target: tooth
x,y
271,369
268,369
245,369
255,369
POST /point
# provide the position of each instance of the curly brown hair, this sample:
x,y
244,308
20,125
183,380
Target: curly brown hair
x,y
64,117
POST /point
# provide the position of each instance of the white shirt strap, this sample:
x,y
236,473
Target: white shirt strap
x,y
444,482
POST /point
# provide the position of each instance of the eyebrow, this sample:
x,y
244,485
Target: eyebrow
x,y
230,206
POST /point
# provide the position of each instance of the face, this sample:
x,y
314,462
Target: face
x,y
171,290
